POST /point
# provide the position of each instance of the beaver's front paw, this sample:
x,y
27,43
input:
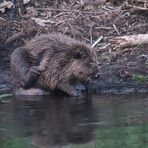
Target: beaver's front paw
x,y
34,72
31,77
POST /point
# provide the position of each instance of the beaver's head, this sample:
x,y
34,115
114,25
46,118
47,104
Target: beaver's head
x,y
80,62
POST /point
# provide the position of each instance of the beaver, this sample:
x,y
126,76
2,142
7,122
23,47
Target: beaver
x,y
52,61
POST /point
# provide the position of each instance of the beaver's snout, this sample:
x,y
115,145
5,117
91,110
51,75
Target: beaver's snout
x,y
94,68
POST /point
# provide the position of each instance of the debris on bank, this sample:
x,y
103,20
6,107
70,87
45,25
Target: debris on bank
x,y
117,29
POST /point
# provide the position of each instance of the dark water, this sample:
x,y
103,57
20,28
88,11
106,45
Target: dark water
x,y
101,121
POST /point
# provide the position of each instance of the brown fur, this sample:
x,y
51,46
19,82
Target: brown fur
x,y
59,59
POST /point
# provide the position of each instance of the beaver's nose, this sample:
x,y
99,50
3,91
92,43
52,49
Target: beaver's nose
x,y
94,68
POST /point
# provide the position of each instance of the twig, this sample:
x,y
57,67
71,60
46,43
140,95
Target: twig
x,y
58,15
82,2
97,41
2,19
104,28
90,32
104,47
116,29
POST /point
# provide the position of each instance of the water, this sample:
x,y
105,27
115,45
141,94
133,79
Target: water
x,y
98,121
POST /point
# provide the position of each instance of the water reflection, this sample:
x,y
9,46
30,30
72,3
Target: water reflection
x,y
55,120
100,121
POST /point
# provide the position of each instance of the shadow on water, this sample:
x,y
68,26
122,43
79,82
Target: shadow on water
x,y
99,121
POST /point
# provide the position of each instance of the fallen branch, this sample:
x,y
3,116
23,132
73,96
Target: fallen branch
x,y
131,40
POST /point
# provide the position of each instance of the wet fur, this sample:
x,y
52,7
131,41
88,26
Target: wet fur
x,y
52,61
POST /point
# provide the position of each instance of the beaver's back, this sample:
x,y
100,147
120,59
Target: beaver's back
x,y
51,42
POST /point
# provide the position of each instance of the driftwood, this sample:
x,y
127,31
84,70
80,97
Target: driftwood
x,y
131,40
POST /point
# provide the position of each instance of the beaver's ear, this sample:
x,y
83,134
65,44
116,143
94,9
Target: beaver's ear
x,y
78,54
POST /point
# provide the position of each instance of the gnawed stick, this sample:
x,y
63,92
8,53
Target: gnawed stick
x,y
131,40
